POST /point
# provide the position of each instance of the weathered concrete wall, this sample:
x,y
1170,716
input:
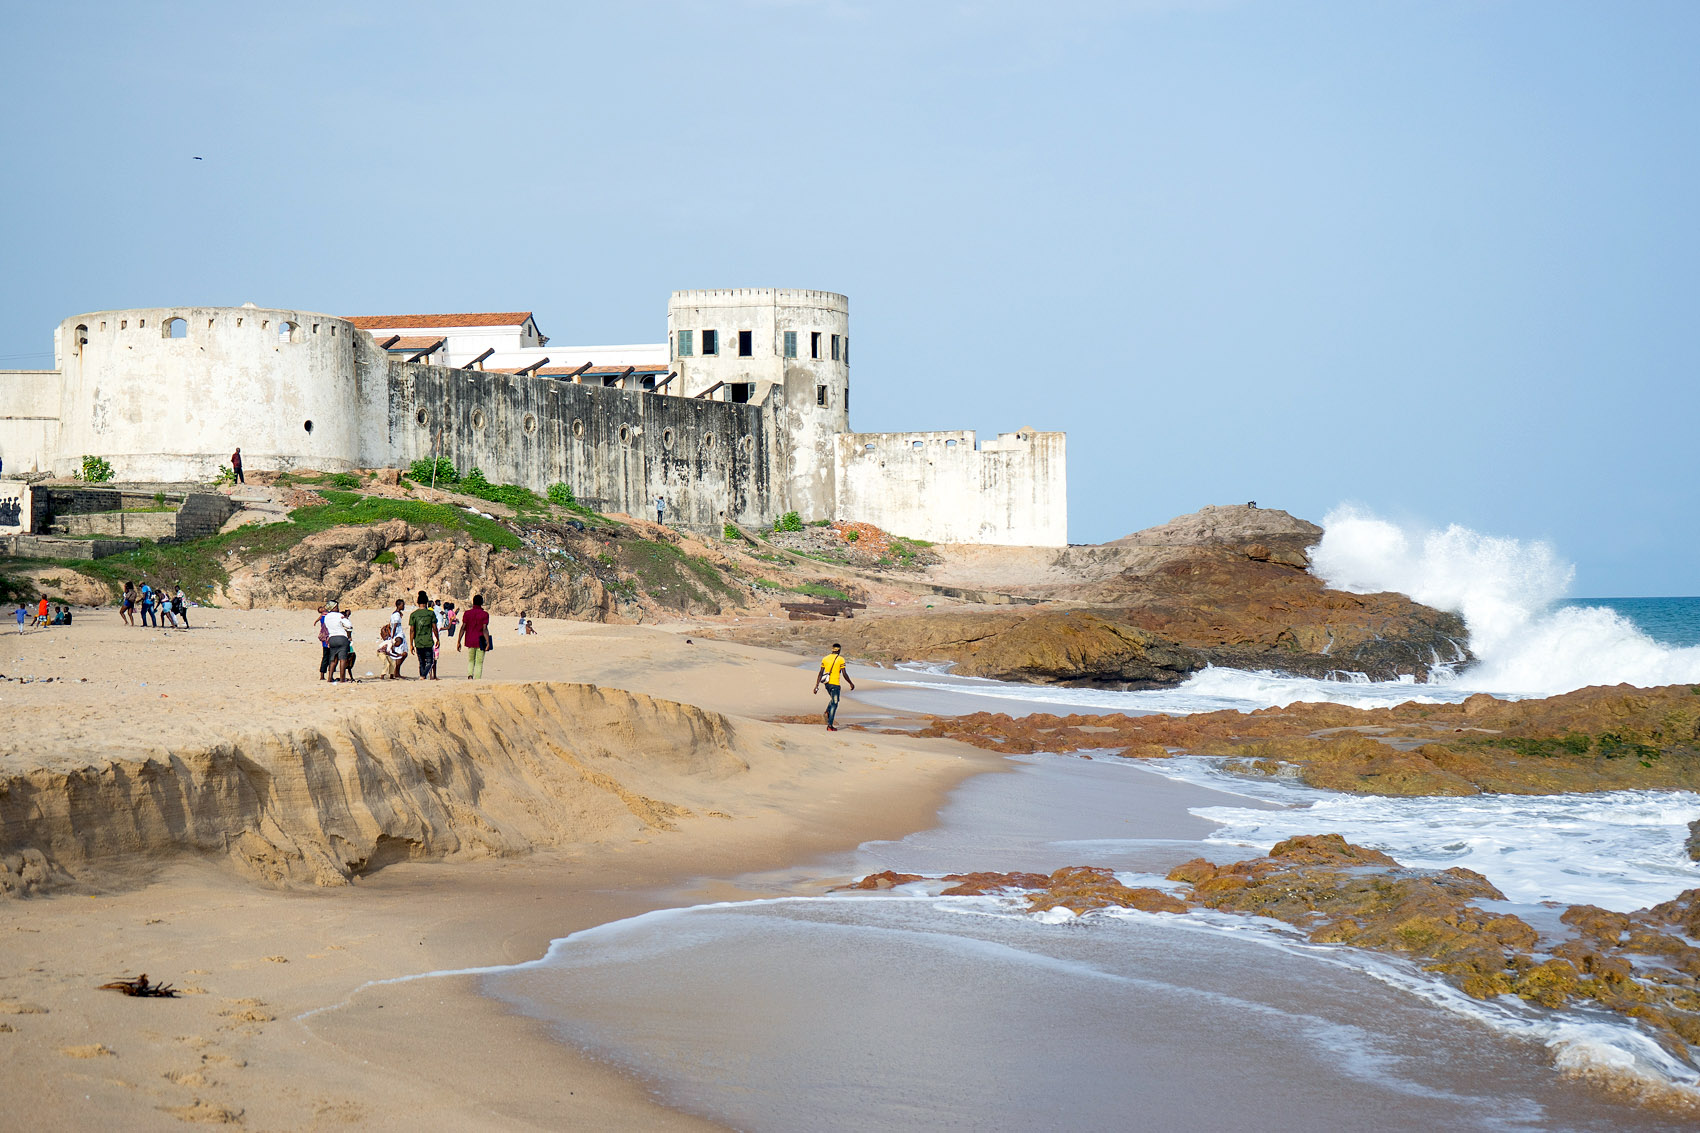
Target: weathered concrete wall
x,y
616,449
939,486
29,420
281,384
53,547
99,511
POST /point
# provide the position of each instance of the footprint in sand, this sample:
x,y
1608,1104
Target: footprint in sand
x,y
207,1113
189,1078
18,1007
92,1050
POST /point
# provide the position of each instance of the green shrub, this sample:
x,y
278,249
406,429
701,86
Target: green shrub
x,y
442,470
96,470
852,535
821,523
790,521
514,496
226,475
344,480
562,494
730,533
384,558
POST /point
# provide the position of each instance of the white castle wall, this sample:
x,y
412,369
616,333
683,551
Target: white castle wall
x,y
939,486
163,408
169,408
29,420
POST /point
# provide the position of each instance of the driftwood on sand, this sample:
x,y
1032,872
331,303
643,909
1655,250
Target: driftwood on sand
x,y
141,986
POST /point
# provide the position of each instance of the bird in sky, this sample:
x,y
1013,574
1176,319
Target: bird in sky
x,y
197,159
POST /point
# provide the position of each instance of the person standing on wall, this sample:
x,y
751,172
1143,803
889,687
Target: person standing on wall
x,y
236,465
832,670
423,623
475,634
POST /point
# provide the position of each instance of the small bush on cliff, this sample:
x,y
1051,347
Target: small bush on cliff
x,y
226,475
790,521
730,533
96,470
514,496
442,471
562,494
345,480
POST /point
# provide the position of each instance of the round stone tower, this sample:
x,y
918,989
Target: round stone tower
x,y
786,349
166,393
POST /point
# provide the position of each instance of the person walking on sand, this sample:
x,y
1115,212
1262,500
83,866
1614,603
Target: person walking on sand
x,y
147,606
180,606
398,618
127,604
475,634
23,616
832,670
236,466
41,613
423,624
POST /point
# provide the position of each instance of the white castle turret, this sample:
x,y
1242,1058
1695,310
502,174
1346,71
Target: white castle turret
x,y
790,348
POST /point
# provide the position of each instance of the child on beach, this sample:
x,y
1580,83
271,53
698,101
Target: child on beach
x,y
392,647
23,616
525,625
41,613
180,606
127,607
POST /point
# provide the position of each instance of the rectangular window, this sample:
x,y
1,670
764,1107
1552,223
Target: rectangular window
x,y
814,344
846,350
741,391
790,344
710,342
820,395
684,344
835,348
746,343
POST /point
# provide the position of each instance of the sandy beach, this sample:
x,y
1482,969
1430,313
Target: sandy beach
x,y
254,958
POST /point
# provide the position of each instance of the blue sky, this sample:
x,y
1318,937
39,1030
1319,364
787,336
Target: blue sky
x,y
1436,258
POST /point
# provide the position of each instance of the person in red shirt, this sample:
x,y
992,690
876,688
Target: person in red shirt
x,y
475,635
236,465
41,613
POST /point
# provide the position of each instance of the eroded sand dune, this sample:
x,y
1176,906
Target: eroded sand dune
x,y
491,771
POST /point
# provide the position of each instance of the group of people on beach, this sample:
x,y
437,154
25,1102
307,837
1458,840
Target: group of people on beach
x,y
420,631
156,605
45,615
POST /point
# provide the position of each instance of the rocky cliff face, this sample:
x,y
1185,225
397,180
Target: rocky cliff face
x,y
1226,586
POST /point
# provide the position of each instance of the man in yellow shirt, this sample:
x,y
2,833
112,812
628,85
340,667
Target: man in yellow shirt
x,y
832,671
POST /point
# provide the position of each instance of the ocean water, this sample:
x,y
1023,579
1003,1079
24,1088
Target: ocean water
x,y
911,1010
907,1010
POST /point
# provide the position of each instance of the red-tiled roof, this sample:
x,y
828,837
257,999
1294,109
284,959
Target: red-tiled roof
x,y
415,342
485,319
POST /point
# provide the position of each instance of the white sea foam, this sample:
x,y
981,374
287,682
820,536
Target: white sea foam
x,y
1620,850
1504,589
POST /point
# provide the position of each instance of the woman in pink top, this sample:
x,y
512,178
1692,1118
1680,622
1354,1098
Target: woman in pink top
x,y
475,635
